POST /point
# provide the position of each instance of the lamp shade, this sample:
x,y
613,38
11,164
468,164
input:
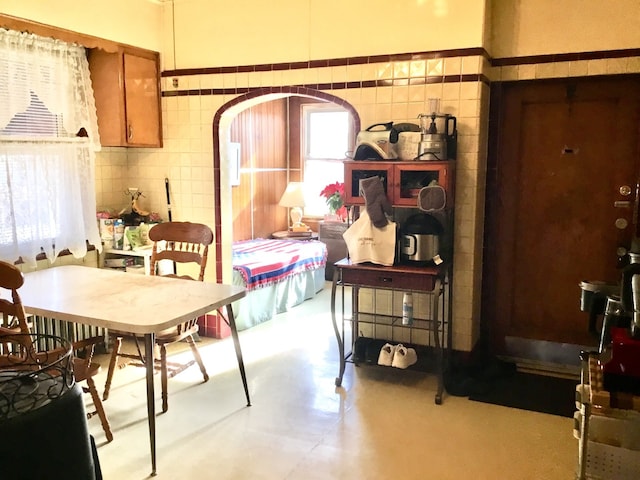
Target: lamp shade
x,y
293,196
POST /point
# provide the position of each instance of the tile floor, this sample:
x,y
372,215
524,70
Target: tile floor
x,y
381,424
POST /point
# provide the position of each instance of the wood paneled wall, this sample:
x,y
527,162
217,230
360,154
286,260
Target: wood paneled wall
x,y
262,132
270,156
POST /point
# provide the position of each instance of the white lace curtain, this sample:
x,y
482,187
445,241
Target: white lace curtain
x,y
47,174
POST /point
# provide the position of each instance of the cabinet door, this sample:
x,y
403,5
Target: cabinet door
x,y
142,101
354,171
410,177
126,90
106,71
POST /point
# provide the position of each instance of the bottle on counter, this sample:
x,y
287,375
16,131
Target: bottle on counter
x,y
407,308
144,233
118,234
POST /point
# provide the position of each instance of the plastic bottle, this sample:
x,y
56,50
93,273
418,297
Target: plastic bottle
x,y
407,309
144,233
118,234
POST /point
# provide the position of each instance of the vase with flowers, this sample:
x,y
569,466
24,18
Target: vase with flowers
x,y
334,196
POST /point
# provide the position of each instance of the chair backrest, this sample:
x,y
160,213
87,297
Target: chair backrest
x,y
181,242
17,344
12,314
15,348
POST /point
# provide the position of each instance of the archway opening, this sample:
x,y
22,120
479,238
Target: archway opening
x,y
222,169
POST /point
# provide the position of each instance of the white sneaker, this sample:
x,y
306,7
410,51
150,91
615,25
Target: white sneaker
x,y
404,357
387,354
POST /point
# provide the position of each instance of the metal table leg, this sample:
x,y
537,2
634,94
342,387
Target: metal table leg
x,y
339,336
149,343
231,321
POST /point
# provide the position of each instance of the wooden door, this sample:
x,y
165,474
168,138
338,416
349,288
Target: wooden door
x,y
564,150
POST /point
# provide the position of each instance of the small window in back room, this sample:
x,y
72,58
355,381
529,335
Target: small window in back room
x,y
326,139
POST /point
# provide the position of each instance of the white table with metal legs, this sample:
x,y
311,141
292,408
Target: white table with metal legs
x,y
138,304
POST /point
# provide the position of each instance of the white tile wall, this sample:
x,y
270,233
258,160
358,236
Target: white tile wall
x,y
187,157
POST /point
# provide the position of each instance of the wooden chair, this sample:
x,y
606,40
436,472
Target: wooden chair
x,y
183,243
13,321
12,315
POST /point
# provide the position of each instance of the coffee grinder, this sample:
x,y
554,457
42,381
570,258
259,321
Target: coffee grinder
x,y
435,145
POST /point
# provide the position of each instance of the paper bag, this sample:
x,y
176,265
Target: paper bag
x,y
367,243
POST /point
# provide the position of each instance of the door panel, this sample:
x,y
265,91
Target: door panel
x,y
564,149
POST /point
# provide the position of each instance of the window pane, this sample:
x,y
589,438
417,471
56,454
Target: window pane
x,y
327,134
317,175
326,141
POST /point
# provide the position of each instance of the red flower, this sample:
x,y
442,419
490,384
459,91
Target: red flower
x,y
334,194
332,189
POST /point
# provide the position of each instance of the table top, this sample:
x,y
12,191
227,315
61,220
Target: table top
x,y
116,300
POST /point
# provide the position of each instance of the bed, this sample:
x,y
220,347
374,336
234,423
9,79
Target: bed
x,y
278,275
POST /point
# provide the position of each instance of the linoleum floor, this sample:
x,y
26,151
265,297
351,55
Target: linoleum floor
x,y
381,424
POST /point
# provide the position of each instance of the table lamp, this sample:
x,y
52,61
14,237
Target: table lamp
x,y
293,198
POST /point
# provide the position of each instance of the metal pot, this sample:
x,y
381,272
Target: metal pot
x,y
419,247
420,239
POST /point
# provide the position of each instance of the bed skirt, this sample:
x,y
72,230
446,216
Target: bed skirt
x,y
261,304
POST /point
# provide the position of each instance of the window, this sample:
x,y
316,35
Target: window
x,y
48,139
326,139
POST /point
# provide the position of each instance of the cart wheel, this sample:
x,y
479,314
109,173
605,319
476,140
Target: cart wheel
x,y
338,381
438,399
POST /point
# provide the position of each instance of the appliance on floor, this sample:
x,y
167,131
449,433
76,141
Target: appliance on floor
x,y
619,337
622,372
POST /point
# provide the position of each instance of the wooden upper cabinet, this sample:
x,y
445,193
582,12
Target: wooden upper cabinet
x,y
402,181
126,86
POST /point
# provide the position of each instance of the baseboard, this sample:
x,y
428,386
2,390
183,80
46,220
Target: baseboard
x,y
545,357
571,372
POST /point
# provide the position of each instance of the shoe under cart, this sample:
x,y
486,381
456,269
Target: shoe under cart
x,y
607,426
377,324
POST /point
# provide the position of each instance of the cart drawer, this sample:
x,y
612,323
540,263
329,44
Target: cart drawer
x,y
379,278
